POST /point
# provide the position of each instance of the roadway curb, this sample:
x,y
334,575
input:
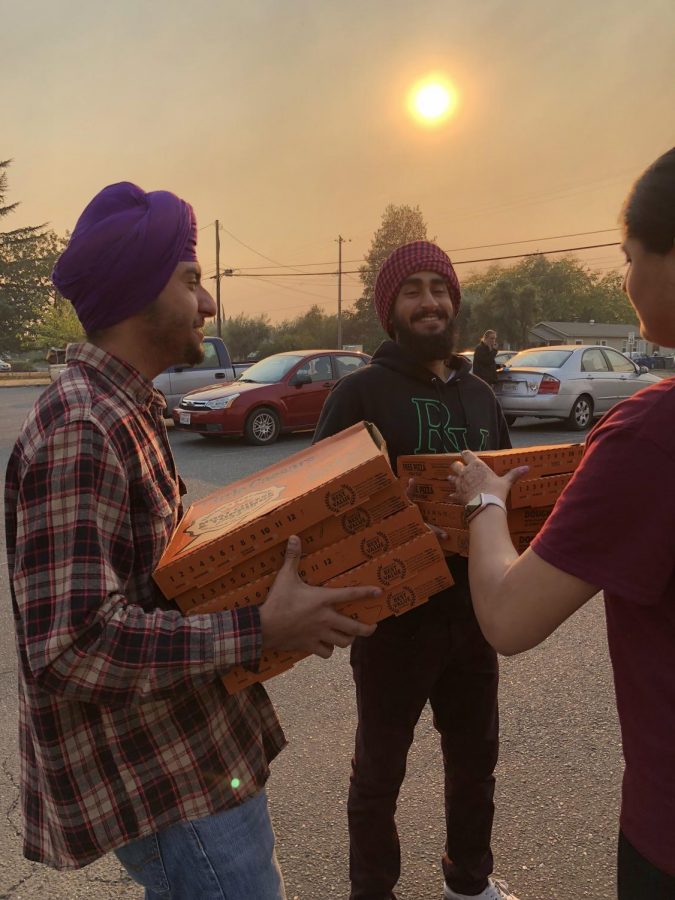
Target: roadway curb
x,y
23,382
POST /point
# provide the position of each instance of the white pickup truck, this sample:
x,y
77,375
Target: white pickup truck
x,y
176,381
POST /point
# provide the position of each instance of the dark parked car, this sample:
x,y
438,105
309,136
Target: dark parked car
x,y
284,392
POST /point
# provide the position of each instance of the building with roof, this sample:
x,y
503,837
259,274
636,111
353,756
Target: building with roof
x,y
623,337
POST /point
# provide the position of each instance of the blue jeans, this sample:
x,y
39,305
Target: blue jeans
x,y
226,856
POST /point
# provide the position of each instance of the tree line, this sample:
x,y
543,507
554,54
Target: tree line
x,y
510,299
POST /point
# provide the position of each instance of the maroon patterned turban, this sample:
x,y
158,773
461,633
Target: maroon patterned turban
x,y
419,256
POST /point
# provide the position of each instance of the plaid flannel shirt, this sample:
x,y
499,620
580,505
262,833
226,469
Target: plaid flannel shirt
x,y
125,727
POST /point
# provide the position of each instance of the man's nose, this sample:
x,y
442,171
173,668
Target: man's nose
x,y
432,302
206,304
429,298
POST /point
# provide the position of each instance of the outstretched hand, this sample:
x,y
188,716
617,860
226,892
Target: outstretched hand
x,y
297,616
471,476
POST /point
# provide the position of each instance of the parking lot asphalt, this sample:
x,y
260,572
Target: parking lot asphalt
x,y
558,777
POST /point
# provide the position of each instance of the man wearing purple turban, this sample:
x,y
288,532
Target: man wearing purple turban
x,y
129,742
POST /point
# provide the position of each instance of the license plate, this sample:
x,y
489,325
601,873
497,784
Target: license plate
x,y
184,418
509,387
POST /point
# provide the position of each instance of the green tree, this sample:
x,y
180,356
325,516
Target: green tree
x,y
510,307
399,225
245,335
27,257
309,331
511,300
59,325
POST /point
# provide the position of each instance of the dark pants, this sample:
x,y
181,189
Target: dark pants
x,y
638,879
434,653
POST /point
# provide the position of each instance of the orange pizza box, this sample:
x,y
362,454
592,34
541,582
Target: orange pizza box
x,y
547,459
252,594
451,515
241,520
443,515
272,663
396,566
318,566
537,492
385,570
527,519
394,601
373,543
385,503
430,489
457,540
525,492
521,539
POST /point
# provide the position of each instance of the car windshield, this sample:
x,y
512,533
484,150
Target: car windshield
x,y
270,370
544,359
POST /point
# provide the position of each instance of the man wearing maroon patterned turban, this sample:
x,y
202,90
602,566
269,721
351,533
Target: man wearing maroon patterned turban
x,y
128,740
423,399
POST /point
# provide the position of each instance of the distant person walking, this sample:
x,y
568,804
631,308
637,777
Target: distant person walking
x,y
484,357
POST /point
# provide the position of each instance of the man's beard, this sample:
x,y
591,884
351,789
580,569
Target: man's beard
x,y
193,354
170,329
426,347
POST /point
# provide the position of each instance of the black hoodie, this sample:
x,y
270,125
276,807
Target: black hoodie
x,y
415,410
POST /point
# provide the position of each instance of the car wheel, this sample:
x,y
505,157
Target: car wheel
x,y
262,426
581,414
510,420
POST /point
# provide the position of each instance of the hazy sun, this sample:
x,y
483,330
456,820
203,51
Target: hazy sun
x,y
432,100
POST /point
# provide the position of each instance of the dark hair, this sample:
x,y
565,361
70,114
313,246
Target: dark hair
x,y
649,211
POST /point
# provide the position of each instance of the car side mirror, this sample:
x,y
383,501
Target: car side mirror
x,y
643,370
300,378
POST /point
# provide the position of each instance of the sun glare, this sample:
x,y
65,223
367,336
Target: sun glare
x,y
432,101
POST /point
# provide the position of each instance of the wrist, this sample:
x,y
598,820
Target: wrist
x,y
480,502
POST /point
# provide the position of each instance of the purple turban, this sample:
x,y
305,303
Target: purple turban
x,y
123,251
419,256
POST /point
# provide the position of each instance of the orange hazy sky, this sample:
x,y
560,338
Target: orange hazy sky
x,y
287,121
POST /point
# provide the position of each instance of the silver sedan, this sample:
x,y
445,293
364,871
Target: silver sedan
x,y
568,381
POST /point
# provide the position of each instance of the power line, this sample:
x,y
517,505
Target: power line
x,y
460,262
253,250
554,237
289,288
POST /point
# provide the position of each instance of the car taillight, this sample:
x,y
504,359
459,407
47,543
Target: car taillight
x,y
549,385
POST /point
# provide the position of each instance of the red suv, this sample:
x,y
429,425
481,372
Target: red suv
x,y
284,392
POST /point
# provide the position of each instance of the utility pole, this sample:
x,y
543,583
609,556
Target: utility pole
x,y
340,242
219,329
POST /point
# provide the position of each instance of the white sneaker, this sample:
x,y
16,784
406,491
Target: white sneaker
x,y
497,889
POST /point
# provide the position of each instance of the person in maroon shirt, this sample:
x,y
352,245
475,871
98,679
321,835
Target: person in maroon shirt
x,y
587,545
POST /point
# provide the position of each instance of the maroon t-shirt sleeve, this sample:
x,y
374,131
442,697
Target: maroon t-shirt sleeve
x,y
613,526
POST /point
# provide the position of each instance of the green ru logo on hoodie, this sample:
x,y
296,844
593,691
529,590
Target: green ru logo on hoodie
x,y
435,434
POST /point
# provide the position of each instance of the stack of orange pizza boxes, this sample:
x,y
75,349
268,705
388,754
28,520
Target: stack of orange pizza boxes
x,y
355,521
531,499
